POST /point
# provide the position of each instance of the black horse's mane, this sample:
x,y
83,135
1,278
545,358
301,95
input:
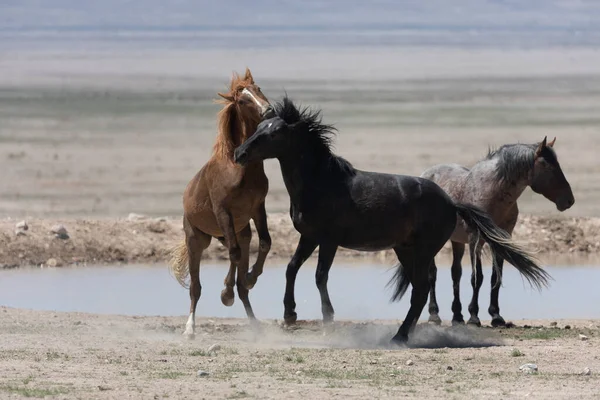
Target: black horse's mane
x,y
315,129
515,160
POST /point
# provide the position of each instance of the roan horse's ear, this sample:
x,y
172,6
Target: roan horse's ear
x,y
248,75
551,144
538,152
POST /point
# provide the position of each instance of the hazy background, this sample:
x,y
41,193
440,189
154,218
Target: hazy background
x,y
106,106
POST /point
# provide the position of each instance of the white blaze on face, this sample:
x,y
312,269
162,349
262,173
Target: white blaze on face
x,y
248,93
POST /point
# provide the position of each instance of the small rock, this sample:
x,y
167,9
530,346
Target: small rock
x,y
213,349
161,219
22,226
298,372
528,368
409,362
103,388
394,363
202,373
567,326
586,371
449,368
553,323
373,362
20,232
583,337
52,262
60,231
135,217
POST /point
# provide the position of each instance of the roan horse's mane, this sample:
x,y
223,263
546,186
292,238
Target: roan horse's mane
x,y
516,160
228,136
315,129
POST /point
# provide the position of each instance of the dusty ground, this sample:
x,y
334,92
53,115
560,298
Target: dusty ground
x,y
75,355
107,241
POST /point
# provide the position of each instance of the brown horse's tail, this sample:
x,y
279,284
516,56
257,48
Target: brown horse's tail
x,y
501,244
179,263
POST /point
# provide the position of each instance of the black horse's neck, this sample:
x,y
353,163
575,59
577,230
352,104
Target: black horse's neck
x,y
310,172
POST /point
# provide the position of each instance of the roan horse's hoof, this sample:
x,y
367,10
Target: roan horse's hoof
x,y
435,319
227,297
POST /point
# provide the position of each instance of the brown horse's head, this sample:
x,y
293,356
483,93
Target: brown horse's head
x,y
547,178
244,107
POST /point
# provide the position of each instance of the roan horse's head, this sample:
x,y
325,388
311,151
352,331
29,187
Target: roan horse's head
x,y
244,107
547,178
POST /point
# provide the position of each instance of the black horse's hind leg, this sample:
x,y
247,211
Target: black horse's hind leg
x,y
476,282
326,255
458,250
418,272
434,309
494,309
304,249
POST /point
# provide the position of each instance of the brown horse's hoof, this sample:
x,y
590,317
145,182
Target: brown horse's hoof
x,y
250,280
498,322
227,297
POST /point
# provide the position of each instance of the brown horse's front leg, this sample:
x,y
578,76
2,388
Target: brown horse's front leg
x,y
264,245
225,221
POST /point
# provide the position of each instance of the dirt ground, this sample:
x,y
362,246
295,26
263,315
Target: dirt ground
x,y
149,240
76,355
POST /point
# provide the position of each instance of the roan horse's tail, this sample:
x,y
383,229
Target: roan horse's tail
x,y
179,265
500,243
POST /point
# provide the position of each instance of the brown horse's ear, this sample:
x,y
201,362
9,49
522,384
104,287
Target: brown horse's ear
x,y
227,97
551,144
538,152
248,76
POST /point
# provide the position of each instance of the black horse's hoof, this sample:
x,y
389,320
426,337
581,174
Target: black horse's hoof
x,y
474,321
399,341
435,319
290,319
458,322
498,322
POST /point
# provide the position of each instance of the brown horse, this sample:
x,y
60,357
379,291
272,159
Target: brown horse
x,y
221,200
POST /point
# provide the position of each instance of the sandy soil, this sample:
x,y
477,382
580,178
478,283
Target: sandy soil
x,y
75,355
148,240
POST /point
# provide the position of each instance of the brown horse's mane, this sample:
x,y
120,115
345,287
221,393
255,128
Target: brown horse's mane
x,y
235,123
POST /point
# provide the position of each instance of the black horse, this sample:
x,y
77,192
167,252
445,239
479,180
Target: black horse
x,y
333,204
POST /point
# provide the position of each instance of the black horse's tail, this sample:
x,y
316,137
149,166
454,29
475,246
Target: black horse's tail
x,y
399,281
501,244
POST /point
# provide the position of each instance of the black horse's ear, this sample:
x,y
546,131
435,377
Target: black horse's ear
x,y
551,144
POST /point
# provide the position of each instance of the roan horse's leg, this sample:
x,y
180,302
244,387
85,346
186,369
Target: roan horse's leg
x,y
458,250
326,255
304,249
434,309
476,281
494,309
264,245
196,242
244,238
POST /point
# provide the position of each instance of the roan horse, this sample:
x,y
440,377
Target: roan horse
x,y
495,184
222,198
333,204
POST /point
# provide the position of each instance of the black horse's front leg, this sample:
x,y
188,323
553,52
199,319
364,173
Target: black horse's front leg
x,y
326,255
304,249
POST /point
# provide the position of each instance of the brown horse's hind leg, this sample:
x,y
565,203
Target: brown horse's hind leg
x,y
227,295
264,245
476,282
244,238
196,242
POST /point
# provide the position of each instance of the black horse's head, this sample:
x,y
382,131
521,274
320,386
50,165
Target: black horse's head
x,y
289,131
